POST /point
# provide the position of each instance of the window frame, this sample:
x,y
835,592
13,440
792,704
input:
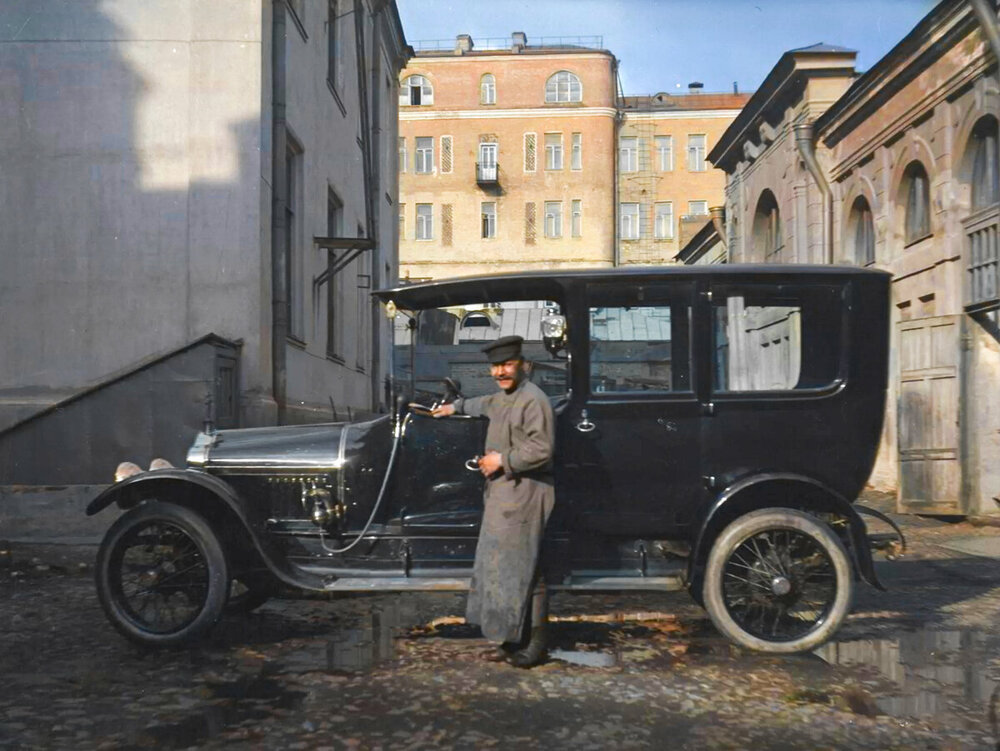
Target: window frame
x,y
916,207
576,217
628,153
487,89
621,220
563,82
697,154
657,235
488,220
423,156
423,225
660,151
406,91
576,152
554,152
556,232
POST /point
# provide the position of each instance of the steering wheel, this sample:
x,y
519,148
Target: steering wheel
x,y
420,409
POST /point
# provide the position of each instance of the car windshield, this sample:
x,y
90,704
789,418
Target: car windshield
x,y
437,343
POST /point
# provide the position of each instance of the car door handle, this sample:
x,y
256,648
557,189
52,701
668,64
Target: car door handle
x,y
585,425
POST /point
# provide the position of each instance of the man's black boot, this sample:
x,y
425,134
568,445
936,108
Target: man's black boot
x,y
500,653
535,652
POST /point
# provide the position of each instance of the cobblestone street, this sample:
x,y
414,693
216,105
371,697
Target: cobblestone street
x,y
916,667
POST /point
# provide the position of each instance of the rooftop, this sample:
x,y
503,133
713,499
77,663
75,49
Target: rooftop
x,y
701,101
516,43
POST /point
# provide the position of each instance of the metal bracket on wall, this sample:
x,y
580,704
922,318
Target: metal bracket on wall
x,y
352,247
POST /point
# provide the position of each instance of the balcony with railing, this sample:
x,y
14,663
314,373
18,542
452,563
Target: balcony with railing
x,y
487,173
982,285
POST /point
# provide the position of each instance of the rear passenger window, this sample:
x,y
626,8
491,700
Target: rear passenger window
x,y
776,338
639,339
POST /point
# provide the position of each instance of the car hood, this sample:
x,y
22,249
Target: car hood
x,y
292,447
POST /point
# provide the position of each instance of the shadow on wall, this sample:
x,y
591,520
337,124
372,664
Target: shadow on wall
x,y
101,276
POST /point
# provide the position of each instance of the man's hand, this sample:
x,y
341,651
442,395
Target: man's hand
x,y
490,464
444,410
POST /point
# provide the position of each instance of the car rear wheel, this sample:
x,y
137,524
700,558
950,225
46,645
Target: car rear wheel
x,y
161,575
779,581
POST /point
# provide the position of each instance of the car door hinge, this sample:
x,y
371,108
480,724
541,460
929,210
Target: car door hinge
x,y
707,295
708,408
404,555
709,481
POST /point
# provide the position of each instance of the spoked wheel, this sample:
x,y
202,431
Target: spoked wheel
x,y
779,581
161,575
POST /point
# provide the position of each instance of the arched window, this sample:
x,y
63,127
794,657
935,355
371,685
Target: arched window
x,y
768,238
918,203
416,90
861,229
563,87
487,89
985,174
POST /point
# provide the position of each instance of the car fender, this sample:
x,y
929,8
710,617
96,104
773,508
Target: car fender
x,y
176,484
783,490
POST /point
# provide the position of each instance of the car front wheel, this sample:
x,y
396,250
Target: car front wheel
x,y
779,581
161,575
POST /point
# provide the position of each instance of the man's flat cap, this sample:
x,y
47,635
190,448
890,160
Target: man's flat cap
x,y
503,349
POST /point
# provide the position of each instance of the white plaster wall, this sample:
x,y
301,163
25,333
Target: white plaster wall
x,y
129,211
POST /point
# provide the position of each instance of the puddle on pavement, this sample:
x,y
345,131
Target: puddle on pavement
x,y
236,703
928,674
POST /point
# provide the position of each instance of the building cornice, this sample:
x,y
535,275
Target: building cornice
x,y
491,56
937,33
682,115
493,114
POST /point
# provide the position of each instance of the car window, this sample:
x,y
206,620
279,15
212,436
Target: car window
x,y
447,342
776,338
639,339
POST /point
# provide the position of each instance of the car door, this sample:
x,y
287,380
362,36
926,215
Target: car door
x,y
630,445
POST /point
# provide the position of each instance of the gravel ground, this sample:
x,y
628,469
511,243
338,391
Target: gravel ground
x,y
916,667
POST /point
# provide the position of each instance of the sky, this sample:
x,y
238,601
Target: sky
x,y
663,45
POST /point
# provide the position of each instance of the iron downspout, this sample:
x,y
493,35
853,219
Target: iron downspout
x,y
279,201
987,18
804,143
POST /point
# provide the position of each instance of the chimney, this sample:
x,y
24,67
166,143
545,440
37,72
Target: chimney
x,y
736,89
518,41
695,87
463,44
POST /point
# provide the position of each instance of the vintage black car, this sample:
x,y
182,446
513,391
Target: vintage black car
x,y
714,426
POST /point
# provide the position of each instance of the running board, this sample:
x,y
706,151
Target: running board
x,y
574,584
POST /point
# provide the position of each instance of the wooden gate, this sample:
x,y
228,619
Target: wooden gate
x,y
929,412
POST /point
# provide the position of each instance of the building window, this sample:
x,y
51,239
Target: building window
x,y
628,154
529,152
563,87
696,153
665,153
663,225
698,208
629,213
553,218
487,167
416,91
529,223
402,154
985,172
576,153
918,203
334,228
863,232
488,213
402,222
553,151
446,154
487,89
425,221
768,238
576,218
423,158
294,291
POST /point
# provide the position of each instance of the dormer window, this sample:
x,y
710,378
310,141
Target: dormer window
x,y
416,91
563,87
488,89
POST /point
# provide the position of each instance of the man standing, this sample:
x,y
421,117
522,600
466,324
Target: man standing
x,y
517,501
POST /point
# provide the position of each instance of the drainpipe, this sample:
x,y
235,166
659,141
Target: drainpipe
x,y
718,214
988,20
279,203
804,143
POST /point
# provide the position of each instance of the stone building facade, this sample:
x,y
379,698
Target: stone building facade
x,y
197,198
525,156
895,169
